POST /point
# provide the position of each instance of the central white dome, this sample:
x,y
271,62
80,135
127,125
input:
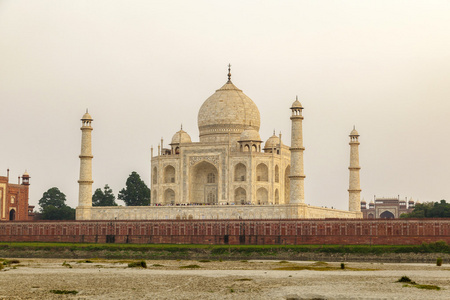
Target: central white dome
x,y
227,111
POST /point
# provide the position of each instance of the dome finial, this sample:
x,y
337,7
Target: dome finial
x,y
229,72
181,126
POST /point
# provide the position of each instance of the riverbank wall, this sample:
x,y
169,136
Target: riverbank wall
x,y
233,232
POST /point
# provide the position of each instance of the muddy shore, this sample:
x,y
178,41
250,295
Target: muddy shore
x,y
35,278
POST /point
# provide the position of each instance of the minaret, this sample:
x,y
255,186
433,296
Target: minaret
x,y
354,188
297,176
85,182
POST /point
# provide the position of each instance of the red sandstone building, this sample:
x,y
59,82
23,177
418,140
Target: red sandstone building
x,y
386,208
14,199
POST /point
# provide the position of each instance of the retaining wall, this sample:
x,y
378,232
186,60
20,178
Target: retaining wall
x,y
250,232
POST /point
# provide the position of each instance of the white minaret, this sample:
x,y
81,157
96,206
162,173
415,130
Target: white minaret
x,y
354,188
85,182
297,176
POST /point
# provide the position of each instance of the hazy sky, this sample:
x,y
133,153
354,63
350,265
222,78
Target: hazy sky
x,y
144,67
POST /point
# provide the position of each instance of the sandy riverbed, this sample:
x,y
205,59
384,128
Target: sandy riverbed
x,y
164,279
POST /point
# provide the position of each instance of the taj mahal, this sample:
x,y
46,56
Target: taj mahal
x,y
230,173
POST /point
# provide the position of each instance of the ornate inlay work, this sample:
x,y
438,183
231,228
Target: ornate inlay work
x,y
214,159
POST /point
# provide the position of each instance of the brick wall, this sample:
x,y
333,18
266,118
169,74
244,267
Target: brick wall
x,y
257,232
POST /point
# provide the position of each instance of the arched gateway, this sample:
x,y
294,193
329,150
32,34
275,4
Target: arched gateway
x,y
203,183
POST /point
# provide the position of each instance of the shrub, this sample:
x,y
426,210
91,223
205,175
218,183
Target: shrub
x,y
342,266
63,292
66,265
190,267
439,262
138,264
405,279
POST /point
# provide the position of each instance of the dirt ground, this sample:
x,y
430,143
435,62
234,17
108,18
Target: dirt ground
x,y
181,279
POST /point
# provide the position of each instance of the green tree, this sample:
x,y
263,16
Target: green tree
x,y
136,192
104,198
430,210
53,206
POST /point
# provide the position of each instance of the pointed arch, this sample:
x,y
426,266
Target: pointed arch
x,y
240,172
262,196
262,172
169,197
155,175
240,196
387,215
287,185
12,214
169,174
277,174
204,180
154,198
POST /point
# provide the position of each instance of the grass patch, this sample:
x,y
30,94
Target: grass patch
x,y
63,292
175,251
157,265
84,261
65,264
427,287
190,267
410,283
138,264
318,266
7,262
283,262
204,260
243,279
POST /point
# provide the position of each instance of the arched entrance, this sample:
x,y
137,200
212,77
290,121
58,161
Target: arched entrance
x,y
154,198
169,197
240,196
204,180
287,185
239,172
387,215
262,196
169,174
277,197
12,215
262,172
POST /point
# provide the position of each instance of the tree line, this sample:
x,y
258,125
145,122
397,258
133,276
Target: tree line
x,y
53,202
430,210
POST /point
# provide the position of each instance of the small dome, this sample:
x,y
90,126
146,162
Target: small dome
x,y
411,200
87,116
272,142
363,201
26,174
181,137
250,134
354,132
297,104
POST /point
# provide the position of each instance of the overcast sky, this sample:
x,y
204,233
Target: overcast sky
x,y
144,67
